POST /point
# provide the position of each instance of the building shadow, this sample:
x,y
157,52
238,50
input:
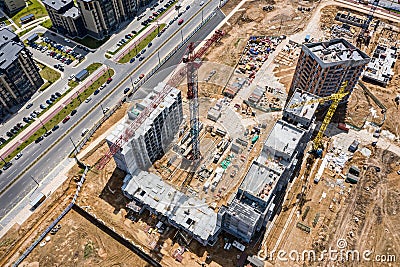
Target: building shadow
x,y
112,192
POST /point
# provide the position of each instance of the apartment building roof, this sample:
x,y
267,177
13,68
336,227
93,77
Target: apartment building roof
x,y
73,12
304,111
192,214
284,138
6,36
242,212
168,100
336,50
9,53
57,4
260,180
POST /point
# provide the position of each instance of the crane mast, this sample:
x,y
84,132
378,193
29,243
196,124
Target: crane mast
x,y
192,95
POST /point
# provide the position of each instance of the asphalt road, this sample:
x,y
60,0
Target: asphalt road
x,y
60,150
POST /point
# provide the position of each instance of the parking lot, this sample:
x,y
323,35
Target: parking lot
x,y
57,52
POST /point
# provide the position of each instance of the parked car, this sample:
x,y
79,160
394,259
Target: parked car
x,y
132,60
7,166
73,112
57,94
43,106
180,21
29,106
66,119
126,90
40,138
55,127
141,58
47,133
84,131
150,44
49,102
88,100
201,3
96,92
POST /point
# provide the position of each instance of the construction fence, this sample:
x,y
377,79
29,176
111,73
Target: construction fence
x,y
56,221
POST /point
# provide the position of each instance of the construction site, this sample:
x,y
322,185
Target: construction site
x,y
278,132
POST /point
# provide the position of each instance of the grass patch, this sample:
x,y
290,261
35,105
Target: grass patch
x,y
129,40
60,115
91,42
142,44
88,250
22,33
5,20
91,68
142,29
33,7
47,24
49,75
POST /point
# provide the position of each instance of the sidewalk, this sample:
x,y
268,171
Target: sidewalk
x,y
50,113
21,212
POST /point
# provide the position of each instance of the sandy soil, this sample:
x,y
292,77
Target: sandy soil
x,y
80,243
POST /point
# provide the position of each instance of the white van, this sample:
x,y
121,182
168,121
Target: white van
x,y
85,131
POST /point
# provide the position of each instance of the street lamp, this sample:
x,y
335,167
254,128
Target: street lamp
x,y
5,162
33,178
158,54
75,148
130,77
102,109
37,186
108,71
78,96
42,124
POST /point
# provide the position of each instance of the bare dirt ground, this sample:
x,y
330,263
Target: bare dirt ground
x,y
252,20
80,243
21,236
364,215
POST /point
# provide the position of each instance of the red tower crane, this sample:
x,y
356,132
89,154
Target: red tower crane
x,y
173,81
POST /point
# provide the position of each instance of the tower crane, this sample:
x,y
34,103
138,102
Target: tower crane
x,y
361,37
173,81
192,95
335,98
317,142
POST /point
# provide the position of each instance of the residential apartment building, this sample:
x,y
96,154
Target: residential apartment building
x,y
100,17
12,6
65,17
153,136
265,182
19,75
322,67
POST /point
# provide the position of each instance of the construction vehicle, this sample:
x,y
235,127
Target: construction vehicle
x,y
317,147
